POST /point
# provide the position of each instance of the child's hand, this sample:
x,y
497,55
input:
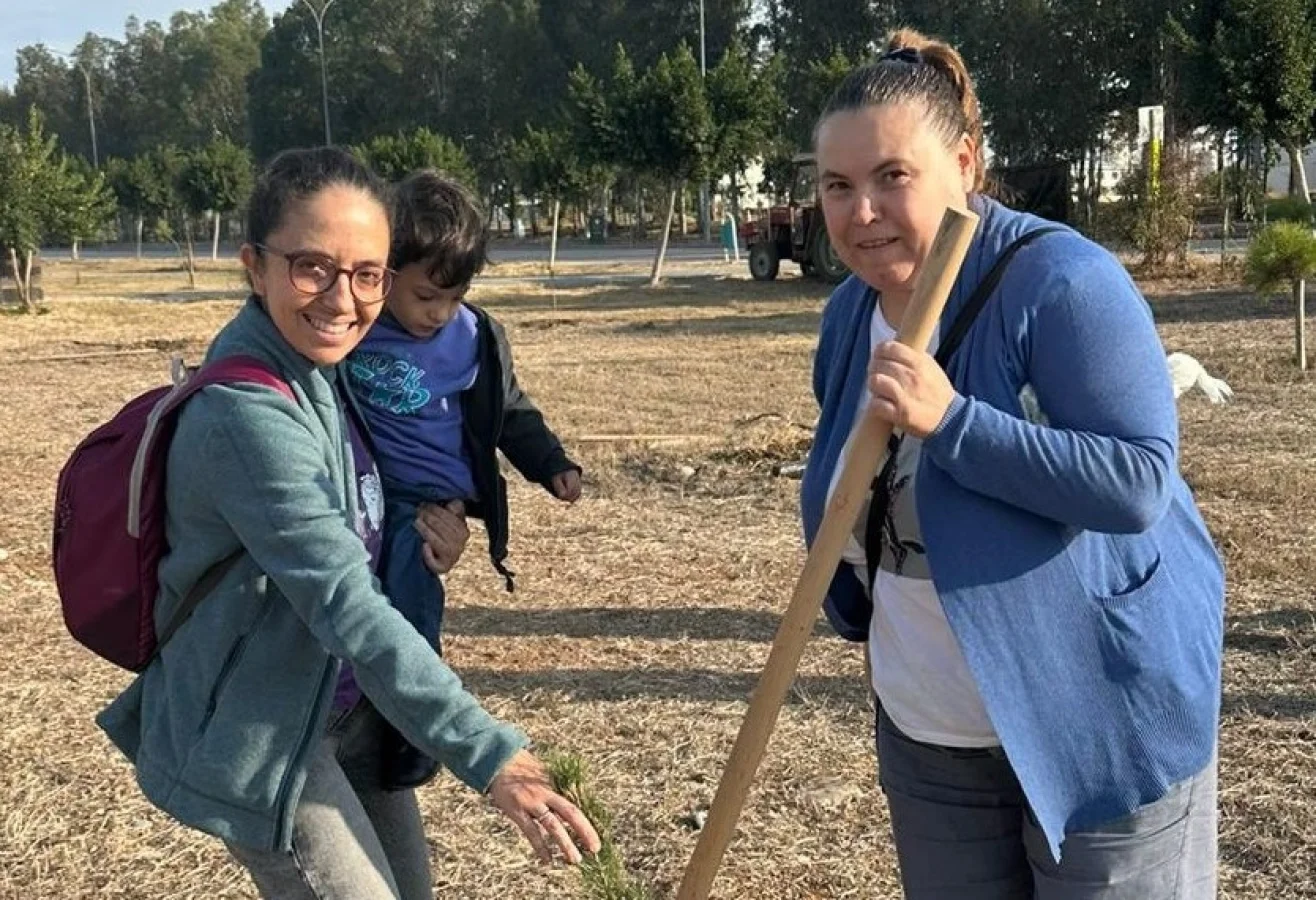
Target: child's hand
x,y
566,486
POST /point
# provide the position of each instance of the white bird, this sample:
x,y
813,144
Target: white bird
x,y
1187,373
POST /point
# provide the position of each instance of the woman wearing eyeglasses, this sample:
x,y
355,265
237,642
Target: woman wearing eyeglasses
x,y
233,729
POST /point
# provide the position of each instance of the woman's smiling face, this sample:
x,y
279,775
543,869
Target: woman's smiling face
x,y
885,178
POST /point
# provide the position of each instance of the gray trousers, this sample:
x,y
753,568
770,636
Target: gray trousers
x,y
963,831
351,839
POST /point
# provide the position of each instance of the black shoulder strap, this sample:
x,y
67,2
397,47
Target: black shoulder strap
x,y
946,347
951,340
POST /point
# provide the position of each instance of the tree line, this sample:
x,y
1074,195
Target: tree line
x,y
618,105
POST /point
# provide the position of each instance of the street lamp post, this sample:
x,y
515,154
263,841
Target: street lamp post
x,y
318,15
91,117
703,72
91,112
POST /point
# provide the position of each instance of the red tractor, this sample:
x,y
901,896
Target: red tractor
x,y
796,232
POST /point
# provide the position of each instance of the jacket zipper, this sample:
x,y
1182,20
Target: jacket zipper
x,y
285,804
225,673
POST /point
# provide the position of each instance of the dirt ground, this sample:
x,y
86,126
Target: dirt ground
x,y
643,614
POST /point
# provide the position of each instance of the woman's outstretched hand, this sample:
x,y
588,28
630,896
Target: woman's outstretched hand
x,y
523,792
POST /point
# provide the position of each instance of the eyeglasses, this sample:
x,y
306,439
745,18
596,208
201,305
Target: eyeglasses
x,y
314,273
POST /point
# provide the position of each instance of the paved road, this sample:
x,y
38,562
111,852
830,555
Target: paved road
x,y
500,251
1233,246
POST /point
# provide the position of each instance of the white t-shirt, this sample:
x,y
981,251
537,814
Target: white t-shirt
x,y
919,671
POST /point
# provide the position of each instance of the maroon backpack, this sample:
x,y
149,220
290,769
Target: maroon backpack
x,y
109,534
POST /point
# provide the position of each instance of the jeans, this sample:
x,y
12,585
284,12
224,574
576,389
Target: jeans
x,y
963,831
415,591
351,839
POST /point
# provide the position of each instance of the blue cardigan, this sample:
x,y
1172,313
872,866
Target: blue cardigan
x,y
1071,561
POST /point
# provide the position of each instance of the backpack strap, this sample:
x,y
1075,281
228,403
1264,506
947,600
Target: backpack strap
x,y
229,370
968,314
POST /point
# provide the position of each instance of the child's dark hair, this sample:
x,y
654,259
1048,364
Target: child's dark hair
x,y
917,68
298,174
439,223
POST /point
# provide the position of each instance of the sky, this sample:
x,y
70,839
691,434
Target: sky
x,y
60,24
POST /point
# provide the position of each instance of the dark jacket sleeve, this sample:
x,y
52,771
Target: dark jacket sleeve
x,y
526,440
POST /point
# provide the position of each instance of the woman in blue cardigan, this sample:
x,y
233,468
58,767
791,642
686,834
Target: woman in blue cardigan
x,y
1040,598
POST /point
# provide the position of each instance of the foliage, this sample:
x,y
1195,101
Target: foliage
x,y
1280,255
604,875
215,178
394,156
82,205
1291,209
43,196
1156,217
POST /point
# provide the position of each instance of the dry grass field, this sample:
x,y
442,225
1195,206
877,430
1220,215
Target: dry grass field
x,y
643,614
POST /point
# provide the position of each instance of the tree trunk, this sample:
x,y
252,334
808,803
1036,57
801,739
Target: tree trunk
x,y
73,251
1298,175
191,253
29,303
657,274
639,214
141,226
552,248
24,297
1300,301
1224,200
214,242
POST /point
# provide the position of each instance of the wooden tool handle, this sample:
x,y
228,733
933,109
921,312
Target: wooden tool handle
x,y
931,289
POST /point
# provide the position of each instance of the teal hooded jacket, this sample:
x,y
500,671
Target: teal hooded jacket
x,y
221,725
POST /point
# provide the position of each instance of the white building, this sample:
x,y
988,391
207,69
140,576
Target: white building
x,y
1277,179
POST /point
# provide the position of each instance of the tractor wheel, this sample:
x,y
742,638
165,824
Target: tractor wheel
x,y
763,261
826,263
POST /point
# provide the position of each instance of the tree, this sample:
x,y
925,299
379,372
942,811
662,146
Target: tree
x,y
1284,254
9,114
216,178
136,184
394,156
656,124
81,205
45,82
143,102
1266,50
601,113
210,57
391,67
27,161
498,96
745,105
811,30
548,166
799,108
586,32
673,131
174,202
41,196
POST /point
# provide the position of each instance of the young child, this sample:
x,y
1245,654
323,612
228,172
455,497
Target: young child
x,y
434,381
